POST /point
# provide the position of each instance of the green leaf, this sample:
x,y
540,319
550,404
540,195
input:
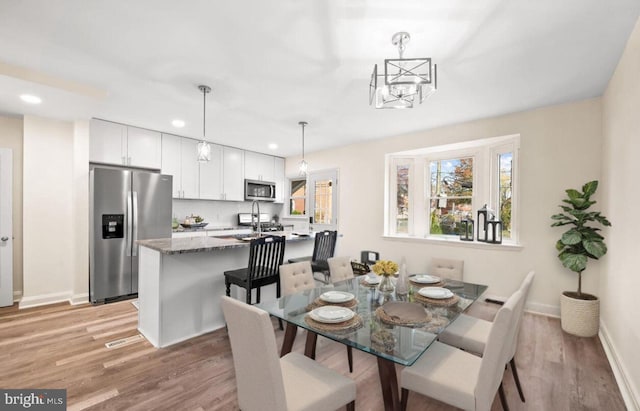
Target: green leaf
x,y
571,237
602,220
590,188
559,245
596,248
574,262
573,194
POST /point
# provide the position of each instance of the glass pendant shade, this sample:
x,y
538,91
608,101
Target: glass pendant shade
x,y
204,151
303,168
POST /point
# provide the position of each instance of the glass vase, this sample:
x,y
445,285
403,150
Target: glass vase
x,y
386,285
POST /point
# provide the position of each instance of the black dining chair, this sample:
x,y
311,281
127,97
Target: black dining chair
x,y
265,258
323,249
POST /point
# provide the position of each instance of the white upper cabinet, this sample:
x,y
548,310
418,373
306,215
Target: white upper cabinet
x,y
179,160
258,166
113,143
279,179
233,179
211,174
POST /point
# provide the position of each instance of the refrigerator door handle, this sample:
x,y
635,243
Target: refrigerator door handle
x,y
129,224
135,224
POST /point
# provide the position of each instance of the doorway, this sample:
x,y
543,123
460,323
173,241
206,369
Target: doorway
x,y
323,200
6,227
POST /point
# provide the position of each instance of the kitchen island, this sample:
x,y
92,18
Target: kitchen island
x,y
181,281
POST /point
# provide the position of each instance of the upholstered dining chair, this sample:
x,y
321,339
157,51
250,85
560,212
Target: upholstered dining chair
x,y
462,379
298,277
471,334
447,268
340,269
265,258
323,248
266,382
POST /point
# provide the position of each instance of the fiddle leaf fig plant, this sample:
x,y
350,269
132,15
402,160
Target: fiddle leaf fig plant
x,y
582,240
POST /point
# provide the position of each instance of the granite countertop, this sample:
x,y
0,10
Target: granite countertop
x,y
200,244
181,229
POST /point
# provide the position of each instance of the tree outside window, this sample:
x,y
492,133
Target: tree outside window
x,y
451,194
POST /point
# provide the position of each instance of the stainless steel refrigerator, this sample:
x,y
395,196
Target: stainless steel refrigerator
x,y
125,206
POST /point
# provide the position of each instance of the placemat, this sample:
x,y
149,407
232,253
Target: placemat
x,y
345,326
410,321
421,285
318,302
445,302
366,284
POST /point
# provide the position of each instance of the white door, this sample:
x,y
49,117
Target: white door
x,y
323,200
6,228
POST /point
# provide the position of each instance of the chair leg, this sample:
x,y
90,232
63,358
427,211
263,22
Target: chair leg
x,y
228,285
350,357
351,406
404,399
503,398
248,298
516,378
258,295
280,323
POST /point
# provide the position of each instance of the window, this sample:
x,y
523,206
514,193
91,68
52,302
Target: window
x,y
323,199
452,183
298,198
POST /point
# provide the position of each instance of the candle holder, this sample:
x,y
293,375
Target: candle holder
x,y
482,224
494,232
466,229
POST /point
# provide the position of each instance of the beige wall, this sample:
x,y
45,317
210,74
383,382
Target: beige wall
x,y
11,137
560,148
620,279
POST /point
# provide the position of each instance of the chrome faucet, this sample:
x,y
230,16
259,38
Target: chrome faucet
x,y
257,227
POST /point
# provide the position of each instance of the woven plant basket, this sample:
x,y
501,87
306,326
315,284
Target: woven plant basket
x,y
580,317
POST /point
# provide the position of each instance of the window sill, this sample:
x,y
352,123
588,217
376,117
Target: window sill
x,y
296,217
454,241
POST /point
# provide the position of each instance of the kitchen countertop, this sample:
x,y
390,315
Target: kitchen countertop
x,y
208,228
200,244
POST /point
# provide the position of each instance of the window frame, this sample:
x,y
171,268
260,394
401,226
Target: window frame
x,y
290,197
485,153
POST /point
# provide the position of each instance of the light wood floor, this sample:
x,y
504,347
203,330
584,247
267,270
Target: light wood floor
x,y
59,346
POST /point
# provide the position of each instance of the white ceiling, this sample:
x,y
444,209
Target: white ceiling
x,y
272,63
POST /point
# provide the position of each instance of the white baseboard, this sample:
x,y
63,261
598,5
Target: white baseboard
x,y
77,299
43,299
17,295
544,309
629,395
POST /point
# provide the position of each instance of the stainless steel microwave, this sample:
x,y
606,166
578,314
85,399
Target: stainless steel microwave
x,y
259,190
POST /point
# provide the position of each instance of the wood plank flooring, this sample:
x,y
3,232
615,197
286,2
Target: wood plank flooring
x,y
62,346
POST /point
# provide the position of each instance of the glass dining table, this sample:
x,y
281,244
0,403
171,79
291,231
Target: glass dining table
x,y
370,328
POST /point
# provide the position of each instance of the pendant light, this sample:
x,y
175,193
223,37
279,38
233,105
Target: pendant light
x,y
204,148
303,168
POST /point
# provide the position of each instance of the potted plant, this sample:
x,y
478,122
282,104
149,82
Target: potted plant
x,y
580,312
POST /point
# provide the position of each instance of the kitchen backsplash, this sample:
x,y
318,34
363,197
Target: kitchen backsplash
x,y
219,213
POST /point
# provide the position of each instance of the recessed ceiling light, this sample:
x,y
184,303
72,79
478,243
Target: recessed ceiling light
x,y
273,146
178,123
31,99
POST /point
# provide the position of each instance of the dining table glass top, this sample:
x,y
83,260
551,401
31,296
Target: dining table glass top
x,y
372,330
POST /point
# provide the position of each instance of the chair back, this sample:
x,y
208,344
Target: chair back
x,y
524,288
265,257
495,352
325,245
253,346
447,268
340,268
296,277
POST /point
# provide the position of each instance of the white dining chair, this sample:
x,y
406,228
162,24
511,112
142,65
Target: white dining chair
x,y
447,268
340,269
471,333
459,378
266,382
297,277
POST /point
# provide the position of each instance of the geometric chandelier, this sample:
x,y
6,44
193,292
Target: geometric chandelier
x,y
406,81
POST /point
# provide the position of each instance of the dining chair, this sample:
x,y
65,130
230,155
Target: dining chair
x,y
298,277
471,334
447,268
462,379
265,258
340,268
266,382
323,248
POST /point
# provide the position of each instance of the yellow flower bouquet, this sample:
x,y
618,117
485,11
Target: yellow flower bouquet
x,y
385,268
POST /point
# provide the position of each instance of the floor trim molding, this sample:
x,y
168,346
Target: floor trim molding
x,y
53,298
630,397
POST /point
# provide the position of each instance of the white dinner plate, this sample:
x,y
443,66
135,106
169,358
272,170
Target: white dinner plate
x,y
372,280
331,314
435,292
337,297
425,279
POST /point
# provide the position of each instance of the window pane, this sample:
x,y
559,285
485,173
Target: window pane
x,y
323,200
451,189
402,199
298,197
506,185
